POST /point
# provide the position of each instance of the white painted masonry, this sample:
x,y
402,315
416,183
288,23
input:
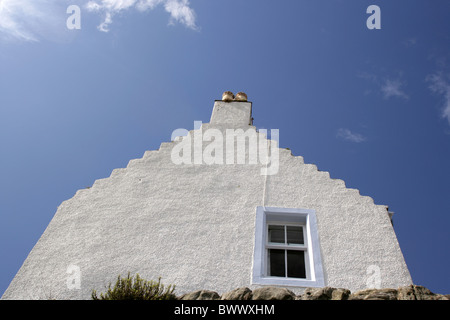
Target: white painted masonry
x,y
194,225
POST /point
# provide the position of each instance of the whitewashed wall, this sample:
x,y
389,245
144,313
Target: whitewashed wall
x,y
193,225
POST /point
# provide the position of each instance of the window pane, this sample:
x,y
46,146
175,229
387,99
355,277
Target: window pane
x,y
276,261
294,235
296,264
276,234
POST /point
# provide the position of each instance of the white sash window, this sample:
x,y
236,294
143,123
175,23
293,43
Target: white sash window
x,y
287,250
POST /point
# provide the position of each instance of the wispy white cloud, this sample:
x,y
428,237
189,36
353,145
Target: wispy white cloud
x,y
9,26
439,83
33,20
393,88
389,87
179,10
30,20
347,135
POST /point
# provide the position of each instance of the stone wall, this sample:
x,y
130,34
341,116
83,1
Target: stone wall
x,y
411,292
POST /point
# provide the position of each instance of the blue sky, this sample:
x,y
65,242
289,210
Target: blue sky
x,y
372,107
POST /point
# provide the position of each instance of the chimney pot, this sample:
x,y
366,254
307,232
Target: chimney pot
x,y
241,96
227,96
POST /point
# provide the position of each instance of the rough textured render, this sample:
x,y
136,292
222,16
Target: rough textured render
x,y
193,224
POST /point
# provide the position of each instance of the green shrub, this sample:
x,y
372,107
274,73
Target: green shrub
x,y
136,289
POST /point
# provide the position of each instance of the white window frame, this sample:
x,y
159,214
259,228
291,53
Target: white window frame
x,y
266,216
